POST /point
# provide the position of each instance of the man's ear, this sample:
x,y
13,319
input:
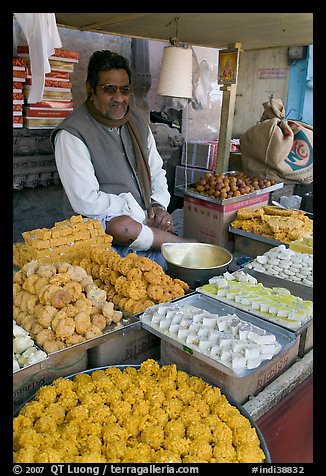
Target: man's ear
x,y
89,89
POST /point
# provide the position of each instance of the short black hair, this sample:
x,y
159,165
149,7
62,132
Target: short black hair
x,y
105,60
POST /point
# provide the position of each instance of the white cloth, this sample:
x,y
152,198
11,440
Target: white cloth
x,y
77,176
41,32
144,240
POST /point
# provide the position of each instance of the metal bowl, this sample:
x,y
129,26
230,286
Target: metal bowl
x,y
195,263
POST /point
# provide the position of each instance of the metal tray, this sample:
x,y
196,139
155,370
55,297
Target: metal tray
x,y
269,280
231,400
285,337
256,237
225,201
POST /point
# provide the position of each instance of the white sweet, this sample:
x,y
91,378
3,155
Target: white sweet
x,y
157,318
165,323
204,345
21,343
222,323
282,312
238,361
209,321
228,276
185,323
213,336
233,324
219,281
203,332
253,363
251,352
264,307
215,350
238,346
243,330
182,334
261,338
15,364
255,304
225,354
177,318
162,308
262,259
225,341
18,330
173,329
273,310
35,356
192,338
170,314
222,292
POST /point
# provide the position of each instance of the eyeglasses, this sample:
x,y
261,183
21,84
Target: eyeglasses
x,y
111,89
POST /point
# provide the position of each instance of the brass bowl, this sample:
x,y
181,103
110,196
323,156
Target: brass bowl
x,y
195,263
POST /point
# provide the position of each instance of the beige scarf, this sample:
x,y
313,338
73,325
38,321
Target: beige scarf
x,y
142,167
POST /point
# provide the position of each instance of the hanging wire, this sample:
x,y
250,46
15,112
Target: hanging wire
x,y
174,40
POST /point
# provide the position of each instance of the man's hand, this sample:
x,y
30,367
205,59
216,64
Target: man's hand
x,y
161,220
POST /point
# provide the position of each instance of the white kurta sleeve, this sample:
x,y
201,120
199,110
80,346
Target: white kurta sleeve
x,y
79,181
160,192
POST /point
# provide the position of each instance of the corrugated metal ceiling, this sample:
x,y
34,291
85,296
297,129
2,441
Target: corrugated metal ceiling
x,y
216,30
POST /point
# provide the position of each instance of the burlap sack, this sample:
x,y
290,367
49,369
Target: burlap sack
x,y
278,149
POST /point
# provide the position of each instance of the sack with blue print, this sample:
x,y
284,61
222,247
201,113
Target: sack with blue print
x,y
277,148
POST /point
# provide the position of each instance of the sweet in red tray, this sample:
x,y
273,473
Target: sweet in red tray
x,y
52,83
54,75
17,85
49,104
17,120
18,96
19,75
63,55
18,63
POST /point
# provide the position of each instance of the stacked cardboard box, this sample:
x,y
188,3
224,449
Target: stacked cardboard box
x,y
56,103
18,80
203,153
198,157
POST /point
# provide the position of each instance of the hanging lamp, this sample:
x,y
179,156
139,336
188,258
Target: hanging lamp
x,y
176,70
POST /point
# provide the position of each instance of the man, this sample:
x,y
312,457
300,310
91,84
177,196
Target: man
x,y
109,166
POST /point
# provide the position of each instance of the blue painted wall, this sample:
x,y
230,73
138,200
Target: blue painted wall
x,y
299,103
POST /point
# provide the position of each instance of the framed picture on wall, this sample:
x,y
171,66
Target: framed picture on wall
x,y
228,66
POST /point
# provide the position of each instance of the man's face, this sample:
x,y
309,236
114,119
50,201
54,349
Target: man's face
x,y
112,104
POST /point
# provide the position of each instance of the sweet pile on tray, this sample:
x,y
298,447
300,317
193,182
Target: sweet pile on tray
x,y
304,244
273,222
134,282
228,185
148,415
276,304
225,338
25,352
62,242
286,264
59,305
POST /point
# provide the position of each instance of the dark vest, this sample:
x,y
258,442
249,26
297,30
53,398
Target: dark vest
x,y
111,153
